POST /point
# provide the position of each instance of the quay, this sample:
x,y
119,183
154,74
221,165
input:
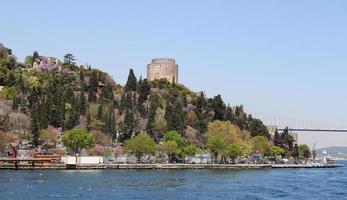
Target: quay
x,y
37,164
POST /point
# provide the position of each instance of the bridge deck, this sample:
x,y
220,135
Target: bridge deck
x,y
315,130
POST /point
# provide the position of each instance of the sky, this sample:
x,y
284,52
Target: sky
x,y
277,58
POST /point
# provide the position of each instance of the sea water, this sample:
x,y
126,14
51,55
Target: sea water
x,y
175,184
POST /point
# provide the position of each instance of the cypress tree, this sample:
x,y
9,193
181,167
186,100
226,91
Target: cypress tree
x,y
20,83
73,119
296,151
151,115
82,105
131,84
56,105
175,115
100,112
88,121
144,91
11,79
36,58
229,114
202,113
93,87
128,127
15,103
110,125
113,124
82,75
107,94
218,107
179,117
277,139
35,128
139,84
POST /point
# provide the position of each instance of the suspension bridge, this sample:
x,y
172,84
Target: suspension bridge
x,y
295,125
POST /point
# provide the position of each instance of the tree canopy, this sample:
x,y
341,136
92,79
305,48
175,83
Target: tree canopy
x,y
140,145
77,139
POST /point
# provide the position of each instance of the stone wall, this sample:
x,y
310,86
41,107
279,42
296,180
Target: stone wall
x,y
163,68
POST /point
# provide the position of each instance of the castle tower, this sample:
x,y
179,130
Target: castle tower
x,y
163,68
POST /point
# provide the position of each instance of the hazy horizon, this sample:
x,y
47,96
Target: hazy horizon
x,y
278,58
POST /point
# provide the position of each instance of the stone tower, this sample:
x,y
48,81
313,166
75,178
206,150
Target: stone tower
x,y
163,68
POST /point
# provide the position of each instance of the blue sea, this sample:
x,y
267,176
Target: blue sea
x,y
175,184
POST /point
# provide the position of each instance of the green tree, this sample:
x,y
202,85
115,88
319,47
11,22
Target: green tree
x,y
110,125
69,59
100,112
101,138
128,126
175,115
144,91
48,138
36,58
83,104
192,150
296,152
304,152
171,139
35,127
261,144
175,136
233,151
28,60
131,84
93,83
153,105
172,150
11,79
140,145
55,102
277,151
287,140
73,117
216,145
277,139
160,125
6,138
218,106
77,139
107,94
256,127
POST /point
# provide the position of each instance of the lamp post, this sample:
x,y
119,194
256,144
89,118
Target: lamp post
x,y
76,158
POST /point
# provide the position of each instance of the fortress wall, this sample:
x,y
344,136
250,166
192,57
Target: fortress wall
x,y
162,68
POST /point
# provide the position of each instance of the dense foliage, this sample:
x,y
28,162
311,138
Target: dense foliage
x,y
44,94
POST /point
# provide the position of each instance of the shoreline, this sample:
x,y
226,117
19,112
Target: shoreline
x,y
160,166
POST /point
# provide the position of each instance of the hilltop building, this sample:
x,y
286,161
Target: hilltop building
x,y
161,68
47,63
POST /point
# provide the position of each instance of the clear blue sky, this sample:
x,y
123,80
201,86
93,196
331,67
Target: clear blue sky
x,y
284,58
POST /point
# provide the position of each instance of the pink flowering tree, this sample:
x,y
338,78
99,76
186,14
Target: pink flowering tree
x,y
118,151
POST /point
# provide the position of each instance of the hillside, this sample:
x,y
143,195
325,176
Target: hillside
x,y
338,152
44,97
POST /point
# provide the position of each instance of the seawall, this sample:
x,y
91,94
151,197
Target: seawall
x,y
157,166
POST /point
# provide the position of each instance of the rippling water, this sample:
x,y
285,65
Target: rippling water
x,y
175,184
